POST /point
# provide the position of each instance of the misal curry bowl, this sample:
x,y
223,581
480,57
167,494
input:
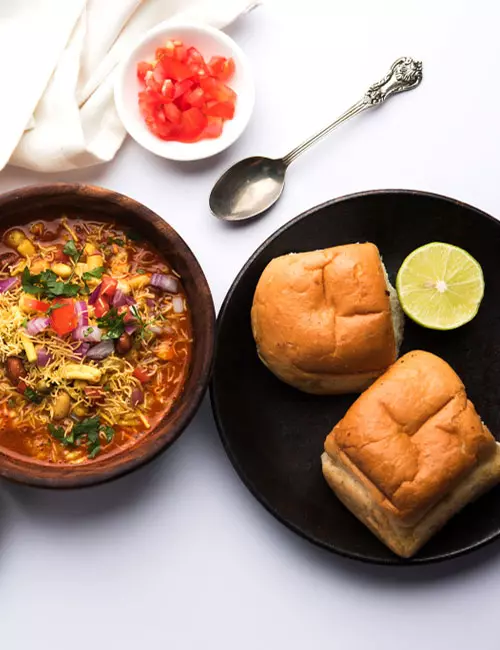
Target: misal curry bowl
x,y
95,204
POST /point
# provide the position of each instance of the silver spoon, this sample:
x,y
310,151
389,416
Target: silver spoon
x,y
252,186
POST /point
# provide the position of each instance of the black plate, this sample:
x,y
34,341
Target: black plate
x,y
273,434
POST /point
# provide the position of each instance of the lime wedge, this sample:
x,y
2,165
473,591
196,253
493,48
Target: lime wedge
x,y
440,286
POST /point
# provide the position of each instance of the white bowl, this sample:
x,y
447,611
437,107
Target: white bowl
x,y
210,42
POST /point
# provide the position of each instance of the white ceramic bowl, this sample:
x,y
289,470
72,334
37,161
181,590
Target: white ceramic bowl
x,y
210,42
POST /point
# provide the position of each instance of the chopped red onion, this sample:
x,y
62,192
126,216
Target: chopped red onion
x,y
150,303
130,328
137,397
37,325
82,313
178,304
164,282
101,350
82,350
43,357
121,299
8,284
95,294
87,333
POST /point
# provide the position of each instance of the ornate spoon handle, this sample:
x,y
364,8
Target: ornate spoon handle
x,y
405,74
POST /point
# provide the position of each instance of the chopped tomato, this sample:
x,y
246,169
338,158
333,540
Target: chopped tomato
x,y
141,375
149,100
172,113
184,97
196,97
101,307
192,125
221,67
182,87
21,387
213,128
108,287
196,62
172,69
30,305
142,68
168,90
63,318
215,89
220,109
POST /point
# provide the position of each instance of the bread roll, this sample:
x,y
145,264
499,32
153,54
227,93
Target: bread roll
x,y
327,321
411,452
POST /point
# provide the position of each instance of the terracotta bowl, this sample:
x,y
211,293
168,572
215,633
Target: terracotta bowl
x,y
25,205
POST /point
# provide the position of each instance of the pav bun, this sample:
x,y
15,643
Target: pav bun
x,y
327,321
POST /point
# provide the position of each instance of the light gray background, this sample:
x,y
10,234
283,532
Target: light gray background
x,y
179,555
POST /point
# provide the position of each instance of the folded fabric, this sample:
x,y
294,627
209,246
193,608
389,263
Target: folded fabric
x,y
60,113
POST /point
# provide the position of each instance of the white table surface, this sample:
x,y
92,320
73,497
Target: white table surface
x,y
179,555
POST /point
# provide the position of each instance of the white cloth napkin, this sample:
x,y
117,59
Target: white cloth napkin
x,y
58,58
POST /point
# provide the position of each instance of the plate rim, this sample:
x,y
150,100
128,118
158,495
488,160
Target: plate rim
x,y
351,555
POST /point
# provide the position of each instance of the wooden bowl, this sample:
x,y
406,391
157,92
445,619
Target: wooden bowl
x,y
45,201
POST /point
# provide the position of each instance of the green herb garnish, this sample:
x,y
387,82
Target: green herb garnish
x,y
75,254
90,428
116,240
71,250
141,271
58,434
95,273
33,396
47,284
113,322
11,403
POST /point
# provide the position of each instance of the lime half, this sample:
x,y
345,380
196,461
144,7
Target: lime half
x,y
440,286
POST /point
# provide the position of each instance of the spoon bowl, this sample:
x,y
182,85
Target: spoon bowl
x,y
248,189
252,186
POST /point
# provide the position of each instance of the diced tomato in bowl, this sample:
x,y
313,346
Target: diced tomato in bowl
x,y
181,91
185,92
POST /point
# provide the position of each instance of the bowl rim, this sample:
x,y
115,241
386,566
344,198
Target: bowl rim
x,y
162,147
19,468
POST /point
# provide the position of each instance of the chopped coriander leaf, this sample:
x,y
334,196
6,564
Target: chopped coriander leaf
x,y
141,271
116,240
47,284
11,403
93,448
95,273
33,396
88,331
113,322
107,387
30,282
58,434
85,290
109,433
25,322
54,288
89,426
71,250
